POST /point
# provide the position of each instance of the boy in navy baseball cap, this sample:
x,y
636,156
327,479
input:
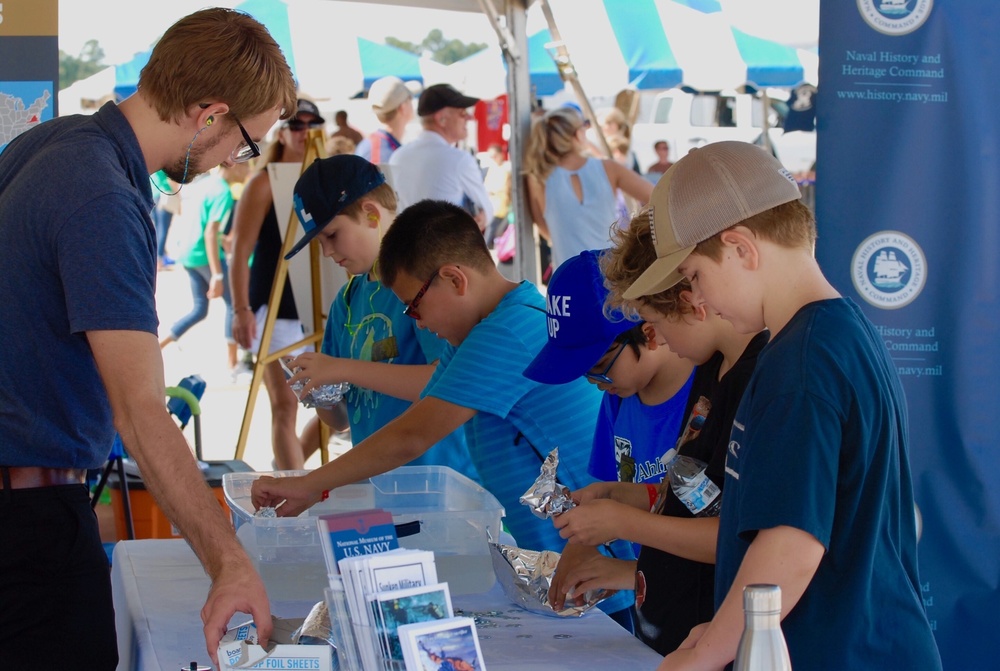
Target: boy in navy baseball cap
x,y
343,202
330,185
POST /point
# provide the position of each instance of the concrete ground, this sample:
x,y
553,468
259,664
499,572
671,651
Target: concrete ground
x,y
202,351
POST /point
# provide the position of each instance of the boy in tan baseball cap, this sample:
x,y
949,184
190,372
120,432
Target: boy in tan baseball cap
x,y
819,496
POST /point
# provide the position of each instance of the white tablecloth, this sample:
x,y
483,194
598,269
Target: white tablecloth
x,y
159,589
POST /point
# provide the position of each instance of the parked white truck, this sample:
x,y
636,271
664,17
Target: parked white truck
x,y
688,120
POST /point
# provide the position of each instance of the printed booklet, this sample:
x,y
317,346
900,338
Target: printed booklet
x,y
441,644
364,576
355,533
406,606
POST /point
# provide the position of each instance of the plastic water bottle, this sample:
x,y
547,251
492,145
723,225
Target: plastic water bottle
x,y
762,646
692,485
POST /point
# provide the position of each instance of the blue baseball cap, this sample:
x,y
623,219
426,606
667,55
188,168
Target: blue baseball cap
x,y
579,331
326,187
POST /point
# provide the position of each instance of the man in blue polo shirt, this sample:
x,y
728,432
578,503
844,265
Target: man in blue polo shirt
x,y
78,323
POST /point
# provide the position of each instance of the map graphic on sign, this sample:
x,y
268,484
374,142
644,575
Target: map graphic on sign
x,y
23,105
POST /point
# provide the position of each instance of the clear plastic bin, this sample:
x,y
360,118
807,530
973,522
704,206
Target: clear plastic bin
x,y
456,517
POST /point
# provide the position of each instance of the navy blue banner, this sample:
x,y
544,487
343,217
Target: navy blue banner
x,y
908,208
29,65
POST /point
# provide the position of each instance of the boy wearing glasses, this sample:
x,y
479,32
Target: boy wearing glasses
x,y
345,204
645,385
80,358
645,389
436,261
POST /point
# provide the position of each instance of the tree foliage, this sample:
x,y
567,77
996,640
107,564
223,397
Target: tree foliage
x,y
75,68
440,48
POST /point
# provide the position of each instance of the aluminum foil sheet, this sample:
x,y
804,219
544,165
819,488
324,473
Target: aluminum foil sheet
x,y
323,396
525,576
546,497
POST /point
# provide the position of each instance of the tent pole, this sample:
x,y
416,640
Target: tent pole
x,y
568,73
766,123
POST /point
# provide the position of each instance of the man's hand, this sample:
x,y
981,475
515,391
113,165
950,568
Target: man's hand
x,y
294,491
593,523
237,588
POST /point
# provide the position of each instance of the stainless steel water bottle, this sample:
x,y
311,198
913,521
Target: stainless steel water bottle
x,y
762,646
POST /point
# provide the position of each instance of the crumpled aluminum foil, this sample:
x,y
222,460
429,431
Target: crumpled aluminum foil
x,y
323,396
526,575
315,629
546,497
266,512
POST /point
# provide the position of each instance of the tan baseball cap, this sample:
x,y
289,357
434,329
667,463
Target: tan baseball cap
x,y
387,93
711,189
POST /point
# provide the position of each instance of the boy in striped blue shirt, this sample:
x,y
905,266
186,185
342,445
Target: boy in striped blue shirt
x,y
436,261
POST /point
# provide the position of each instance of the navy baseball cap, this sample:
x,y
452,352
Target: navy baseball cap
x,y
326,187
579,331
439,96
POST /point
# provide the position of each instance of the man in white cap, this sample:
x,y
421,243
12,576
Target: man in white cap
x,y
432,167
392,103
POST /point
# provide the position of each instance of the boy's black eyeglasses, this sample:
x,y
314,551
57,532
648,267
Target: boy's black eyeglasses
x,y
247,149
603,376
298,124
411,308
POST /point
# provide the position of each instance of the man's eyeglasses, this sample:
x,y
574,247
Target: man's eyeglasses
x,y
411,308
603,376
296,125
247,149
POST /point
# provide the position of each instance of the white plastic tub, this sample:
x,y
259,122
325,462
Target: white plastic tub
x,y
456,516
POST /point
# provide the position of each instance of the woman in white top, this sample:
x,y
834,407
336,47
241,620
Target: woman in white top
x,y
571,195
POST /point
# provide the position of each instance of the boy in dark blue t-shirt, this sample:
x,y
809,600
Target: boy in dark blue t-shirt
x,y
819,497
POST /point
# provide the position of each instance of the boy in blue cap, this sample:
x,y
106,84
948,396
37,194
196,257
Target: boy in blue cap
x,y
645,389
343,202
645,385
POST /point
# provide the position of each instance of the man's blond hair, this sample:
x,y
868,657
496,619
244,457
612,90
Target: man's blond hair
x,y
215,55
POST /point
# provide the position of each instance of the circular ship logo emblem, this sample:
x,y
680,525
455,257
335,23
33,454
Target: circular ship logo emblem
x,y
889,270
895,17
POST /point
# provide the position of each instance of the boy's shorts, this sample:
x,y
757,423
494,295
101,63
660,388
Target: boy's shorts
x,y
286,332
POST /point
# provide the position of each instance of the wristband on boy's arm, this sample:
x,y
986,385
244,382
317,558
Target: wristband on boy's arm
x,y
653,493
640,589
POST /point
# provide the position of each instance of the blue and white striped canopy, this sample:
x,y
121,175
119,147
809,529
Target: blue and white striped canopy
x,y
661,44
324,67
